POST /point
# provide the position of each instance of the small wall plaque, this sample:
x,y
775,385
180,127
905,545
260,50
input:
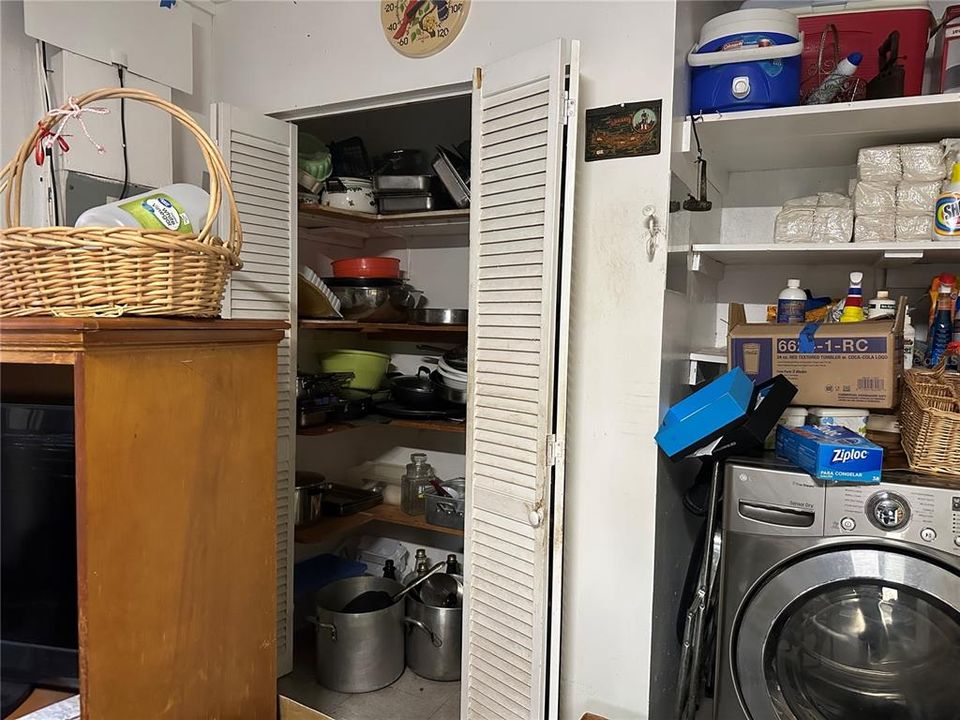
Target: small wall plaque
x,y
625,130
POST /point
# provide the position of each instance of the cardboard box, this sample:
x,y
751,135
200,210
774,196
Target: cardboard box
x,y
855,365
831,452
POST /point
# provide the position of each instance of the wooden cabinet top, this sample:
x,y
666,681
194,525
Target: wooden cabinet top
x,y
58,340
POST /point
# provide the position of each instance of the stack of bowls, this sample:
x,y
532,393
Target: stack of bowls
x,y
450,377
370,289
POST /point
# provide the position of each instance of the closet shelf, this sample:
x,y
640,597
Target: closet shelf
x,y
393,330
448,426
886,254
323,223
329,527
818,135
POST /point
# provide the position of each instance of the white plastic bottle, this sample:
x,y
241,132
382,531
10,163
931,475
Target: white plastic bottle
x,y
180,207
909,340
828,89
881,306
792,303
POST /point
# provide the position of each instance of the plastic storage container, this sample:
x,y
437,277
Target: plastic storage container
x,y
792,417
850,418
862,26
746,60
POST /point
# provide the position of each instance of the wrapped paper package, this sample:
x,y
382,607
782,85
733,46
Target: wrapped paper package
x,y
923,162
881,163
872,197
911,228
917,198
875,228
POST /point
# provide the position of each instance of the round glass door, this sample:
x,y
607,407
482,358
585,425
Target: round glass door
x,y
852,634
866,651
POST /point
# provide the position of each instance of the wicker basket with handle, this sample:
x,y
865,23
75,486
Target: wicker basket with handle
x,y
930,420
96,271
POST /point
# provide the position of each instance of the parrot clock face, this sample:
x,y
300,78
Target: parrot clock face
x,y
419,28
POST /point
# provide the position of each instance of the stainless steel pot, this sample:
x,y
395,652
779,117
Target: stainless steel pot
x,y
358,652
439,316
433,640
450,394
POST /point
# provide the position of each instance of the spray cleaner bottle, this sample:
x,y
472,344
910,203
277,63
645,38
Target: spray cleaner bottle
x,y
853,305
946,218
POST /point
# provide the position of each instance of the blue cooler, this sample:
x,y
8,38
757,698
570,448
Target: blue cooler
x,y
746,60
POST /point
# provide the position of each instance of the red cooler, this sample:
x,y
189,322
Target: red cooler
x,y
863,26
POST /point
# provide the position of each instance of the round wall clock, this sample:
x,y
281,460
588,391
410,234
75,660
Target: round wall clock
x,y
419,28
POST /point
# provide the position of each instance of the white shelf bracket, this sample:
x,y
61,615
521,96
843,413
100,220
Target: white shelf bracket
x,y
705,265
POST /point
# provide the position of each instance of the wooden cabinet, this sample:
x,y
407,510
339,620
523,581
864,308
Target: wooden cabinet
x,y
176,521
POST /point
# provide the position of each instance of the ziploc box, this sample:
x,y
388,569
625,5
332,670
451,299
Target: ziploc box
x,y
855,365
831,452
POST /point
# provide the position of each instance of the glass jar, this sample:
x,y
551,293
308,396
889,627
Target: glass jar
x,y
414,485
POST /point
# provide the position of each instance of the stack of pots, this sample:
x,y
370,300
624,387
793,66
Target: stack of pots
x,y
363,652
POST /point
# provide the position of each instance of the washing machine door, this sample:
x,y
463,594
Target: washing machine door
x,y
851,633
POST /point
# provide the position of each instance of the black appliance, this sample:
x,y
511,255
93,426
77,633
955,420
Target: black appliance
x,y
38,543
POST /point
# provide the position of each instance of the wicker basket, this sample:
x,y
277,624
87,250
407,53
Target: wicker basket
x,y
930,420
95,271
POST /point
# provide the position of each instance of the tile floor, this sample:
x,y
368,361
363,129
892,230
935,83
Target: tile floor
x,y
409,698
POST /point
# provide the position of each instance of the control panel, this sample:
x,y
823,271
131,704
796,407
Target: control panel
x,y
928,516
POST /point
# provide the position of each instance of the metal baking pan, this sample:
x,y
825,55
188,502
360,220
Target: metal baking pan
x,y
339,500
401,184
405,203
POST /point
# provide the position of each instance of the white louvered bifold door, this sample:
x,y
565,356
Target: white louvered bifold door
x,y
518,331
261,154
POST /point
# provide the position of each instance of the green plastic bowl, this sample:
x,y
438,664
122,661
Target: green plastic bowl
x,y
368,368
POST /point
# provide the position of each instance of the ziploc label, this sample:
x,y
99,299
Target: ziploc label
x,y
832,453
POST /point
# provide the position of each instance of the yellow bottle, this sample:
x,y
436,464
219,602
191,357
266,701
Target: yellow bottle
x,y
946,217
853,305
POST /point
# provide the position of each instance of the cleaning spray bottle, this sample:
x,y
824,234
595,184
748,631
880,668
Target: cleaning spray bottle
x,y
946,217
853,305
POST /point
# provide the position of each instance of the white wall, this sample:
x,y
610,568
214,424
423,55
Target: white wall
x,y
275,57
157,152
20,106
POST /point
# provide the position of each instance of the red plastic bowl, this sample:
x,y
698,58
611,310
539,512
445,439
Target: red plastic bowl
x,y
367,267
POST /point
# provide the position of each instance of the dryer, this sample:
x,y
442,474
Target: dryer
x,y
838,602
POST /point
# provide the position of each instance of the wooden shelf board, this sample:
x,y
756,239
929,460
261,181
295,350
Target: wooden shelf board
x,y
382,328
332,526
818,135
370,420
318,221
884,253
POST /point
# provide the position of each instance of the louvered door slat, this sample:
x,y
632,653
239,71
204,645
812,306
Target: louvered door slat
x,y
517,348
261,153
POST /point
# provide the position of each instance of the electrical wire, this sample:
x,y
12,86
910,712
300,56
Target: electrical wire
x,y
123,139
43,78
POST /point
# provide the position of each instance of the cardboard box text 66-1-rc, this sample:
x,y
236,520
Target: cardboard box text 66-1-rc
x,y
855,365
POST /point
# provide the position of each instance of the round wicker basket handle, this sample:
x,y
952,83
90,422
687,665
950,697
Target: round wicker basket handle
x,y
11,177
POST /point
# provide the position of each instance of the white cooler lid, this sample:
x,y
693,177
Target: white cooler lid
x,y
832,7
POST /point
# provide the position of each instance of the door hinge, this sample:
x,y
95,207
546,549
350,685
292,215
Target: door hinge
x,y
569,107
554,450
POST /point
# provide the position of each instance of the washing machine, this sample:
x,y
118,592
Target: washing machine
x,y
838,602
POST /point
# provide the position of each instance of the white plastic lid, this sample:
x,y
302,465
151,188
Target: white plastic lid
x,y
793,283
883,423
795,412
752,20
838,412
